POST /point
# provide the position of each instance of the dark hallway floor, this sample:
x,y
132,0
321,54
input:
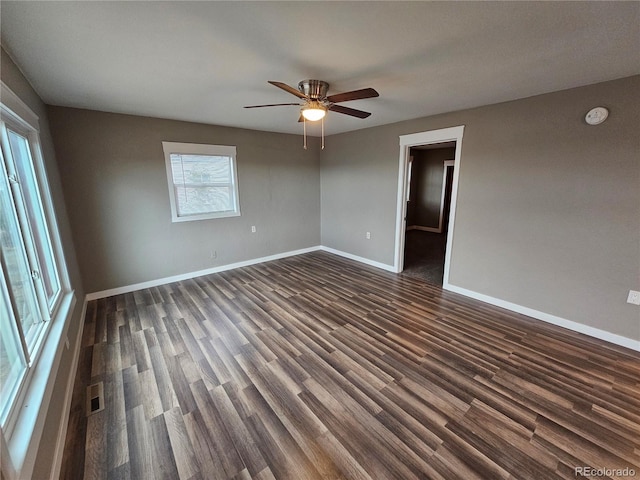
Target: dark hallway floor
x,y
424,255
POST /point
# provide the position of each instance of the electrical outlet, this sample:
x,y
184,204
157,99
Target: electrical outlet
x,y
253,229
213,255
368,235
634,297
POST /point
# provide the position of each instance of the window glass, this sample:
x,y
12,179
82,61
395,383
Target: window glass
x,y
23,162
12,362
202,181
16,268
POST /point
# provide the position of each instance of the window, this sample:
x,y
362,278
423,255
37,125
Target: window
x,y
202,181
35,295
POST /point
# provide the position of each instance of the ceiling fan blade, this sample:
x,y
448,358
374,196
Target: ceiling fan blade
x,y
272,105
354,95
289,89
349,111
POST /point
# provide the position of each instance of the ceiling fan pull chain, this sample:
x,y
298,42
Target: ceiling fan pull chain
x,y
322,120
304,127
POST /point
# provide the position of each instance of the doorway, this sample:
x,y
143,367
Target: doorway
x,y
429,184
424,235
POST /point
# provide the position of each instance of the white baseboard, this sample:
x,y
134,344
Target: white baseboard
x,y
366,261
546,317
66,406
199,273
425,229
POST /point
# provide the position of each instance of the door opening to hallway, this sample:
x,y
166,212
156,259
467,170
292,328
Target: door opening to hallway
x,y
429,187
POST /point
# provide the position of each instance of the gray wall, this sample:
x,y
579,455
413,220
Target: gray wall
x,y
548,208
14,79
114,176
426,186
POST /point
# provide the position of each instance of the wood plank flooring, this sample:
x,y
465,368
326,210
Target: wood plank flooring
x,y
316,367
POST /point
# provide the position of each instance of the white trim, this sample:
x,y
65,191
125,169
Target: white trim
x,y
25,439
43,199
6,466
545,317
198,273
23,430
16,108
66,406
201,149
447,164
409,177
432,136
366,261
548,318
412,140
424,229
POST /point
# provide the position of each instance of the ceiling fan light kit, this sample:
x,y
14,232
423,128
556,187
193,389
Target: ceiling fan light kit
x,y
314,111
316,103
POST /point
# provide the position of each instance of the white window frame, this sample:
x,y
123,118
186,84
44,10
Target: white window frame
x,y
201,149
22,428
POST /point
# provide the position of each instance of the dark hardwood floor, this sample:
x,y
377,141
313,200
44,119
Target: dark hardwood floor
x,y
318,367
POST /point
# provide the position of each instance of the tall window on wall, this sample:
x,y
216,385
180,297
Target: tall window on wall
x,y
202,181
33,279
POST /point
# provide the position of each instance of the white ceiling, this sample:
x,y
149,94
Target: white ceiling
x,y
203,61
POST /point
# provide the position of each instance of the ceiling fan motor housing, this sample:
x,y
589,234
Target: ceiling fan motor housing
x,y
314,89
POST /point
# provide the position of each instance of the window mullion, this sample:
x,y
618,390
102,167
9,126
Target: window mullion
x,y
32,258
5,280
47,243
25,230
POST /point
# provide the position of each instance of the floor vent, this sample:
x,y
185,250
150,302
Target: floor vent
x,y
95,398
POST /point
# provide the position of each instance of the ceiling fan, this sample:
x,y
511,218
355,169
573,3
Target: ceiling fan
x,y
315,102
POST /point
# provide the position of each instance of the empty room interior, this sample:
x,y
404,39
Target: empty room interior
x,y
320,240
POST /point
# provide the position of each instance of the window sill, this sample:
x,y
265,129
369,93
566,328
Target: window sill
x,y
25,436
205,216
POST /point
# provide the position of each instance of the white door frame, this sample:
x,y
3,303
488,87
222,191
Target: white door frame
x,y
447,165
413,140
